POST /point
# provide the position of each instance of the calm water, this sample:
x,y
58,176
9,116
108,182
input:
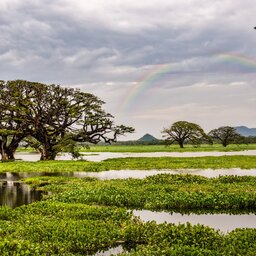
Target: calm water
x,y
107,155
111,251
125,174
140,174
223,222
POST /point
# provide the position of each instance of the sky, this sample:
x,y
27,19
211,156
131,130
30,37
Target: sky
x,y
153,62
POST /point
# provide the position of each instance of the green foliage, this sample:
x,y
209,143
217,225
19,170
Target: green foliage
x,y
225,135
65,224
67,144
183,131
6,213
160,192
54,228
184,239
169,239
62,229
56,117
240,242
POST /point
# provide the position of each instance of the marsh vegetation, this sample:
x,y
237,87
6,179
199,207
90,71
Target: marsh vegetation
x,y
86,216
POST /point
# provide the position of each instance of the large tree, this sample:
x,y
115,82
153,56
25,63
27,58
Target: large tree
x,y
58,117
183,131
13,129
225,135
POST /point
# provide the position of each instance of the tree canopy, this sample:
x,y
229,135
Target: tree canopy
x,y
13,129
54,116
225,135
183,131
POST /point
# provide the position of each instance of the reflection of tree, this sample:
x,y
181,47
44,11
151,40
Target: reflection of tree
x,y
14,194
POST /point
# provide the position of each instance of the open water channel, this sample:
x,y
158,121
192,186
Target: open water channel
x,y
107,155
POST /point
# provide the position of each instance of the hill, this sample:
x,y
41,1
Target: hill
x,y
245,131
147,138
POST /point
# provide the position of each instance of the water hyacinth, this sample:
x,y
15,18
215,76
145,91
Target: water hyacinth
x,y
160,192
83,216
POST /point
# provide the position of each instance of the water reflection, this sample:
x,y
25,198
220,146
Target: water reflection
x,y
125,174
14,194
16,176
223,222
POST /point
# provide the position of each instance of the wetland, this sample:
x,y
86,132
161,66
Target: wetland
x,y
124,206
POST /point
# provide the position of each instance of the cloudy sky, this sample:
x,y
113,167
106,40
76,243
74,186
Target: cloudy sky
x,y
153,62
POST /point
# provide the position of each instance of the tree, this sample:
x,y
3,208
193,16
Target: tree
x,y
225,135
58,117
13,129
183,131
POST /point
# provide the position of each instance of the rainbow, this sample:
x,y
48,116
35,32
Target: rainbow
x,y
156,73
145,82
238,59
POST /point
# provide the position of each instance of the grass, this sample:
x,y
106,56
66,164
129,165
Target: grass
x,y
159,148
45,166
132,163
172,148
146,163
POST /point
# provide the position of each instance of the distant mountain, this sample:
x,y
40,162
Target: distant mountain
x,y
245,131
147,138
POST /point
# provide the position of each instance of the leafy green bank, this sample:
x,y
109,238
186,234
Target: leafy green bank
x,y
85,216
159,192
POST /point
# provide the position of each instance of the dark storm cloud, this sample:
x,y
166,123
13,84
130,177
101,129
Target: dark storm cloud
x,y
48,32
106,46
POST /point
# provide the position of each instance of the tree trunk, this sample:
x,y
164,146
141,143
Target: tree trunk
x,y
10,154
224,143
48,153
7,154
5,151
181,144
4,156
8,151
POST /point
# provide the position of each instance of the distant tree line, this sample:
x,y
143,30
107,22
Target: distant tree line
x,y
250,139
52,118
183,132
